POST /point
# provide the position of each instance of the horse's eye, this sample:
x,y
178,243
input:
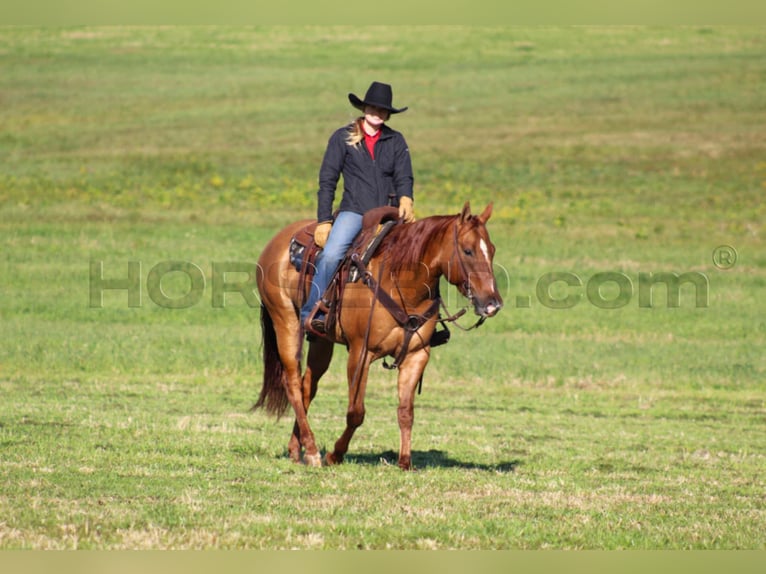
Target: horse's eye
x,y
468,252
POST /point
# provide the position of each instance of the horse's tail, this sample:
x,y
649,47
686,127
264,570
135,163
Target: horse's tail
x,y
273,394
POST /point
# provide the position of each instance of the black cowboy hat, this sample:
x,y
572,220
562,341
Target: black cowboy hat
x,y
378,95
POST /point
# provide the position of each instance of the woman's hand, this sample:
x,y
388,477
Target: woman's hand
x,y
322,232
406,211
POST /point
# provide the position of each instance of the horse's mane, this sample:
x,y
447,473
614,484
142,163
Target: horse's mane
x,y
405,245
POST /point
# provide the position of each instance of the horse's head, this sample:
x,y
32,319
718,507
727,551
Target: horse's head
x,y
471,262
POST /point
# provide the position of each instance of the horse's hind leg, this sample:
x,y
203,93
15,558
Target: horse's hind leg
x,y
358,369
286,328
317,361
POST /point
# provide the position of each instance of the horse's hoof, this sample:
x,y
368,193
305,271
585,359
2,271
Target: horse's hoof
x,y
312,459
330,459
294,456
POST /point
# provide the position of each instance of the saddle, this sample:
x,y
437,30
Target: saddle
x,y
376,224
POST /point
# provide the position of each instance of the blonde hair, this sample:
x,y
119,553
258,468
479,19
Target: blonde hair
x,y
355,132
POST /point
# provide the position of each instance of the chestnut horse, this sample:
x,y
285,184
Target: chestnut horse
x,y
407,266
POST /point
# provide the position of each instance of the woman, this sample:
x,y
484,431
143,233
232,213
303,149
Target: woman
x,y
375,163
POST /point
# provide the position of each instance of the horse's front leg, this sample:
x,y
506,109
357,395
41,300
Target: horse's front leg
x,y
358,368
410,372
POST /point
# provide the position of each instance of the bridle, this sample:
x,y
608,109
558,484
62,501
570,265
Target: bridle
x,y
464,285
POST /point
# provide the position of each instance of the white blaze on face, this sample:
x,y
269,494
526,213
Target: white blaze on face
x,y
484,250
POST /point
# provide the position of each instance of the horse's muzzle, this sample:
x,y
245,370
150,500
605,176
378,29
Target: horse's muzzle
x,y
489,308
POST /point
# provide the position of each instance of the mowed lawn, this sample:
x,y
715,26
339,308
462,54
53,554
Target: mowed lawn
x,y
596,411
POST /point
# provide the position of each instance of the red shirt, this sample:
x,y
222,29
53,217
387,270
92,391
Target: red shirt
x,y
370,142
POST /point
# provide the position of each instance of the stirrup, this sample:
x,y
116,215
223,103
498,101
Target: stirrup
x,y
440,337
314,325
318,326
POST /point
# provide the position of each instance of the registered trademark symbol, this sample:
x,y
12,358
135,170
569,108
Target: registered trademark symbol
x,y
724,257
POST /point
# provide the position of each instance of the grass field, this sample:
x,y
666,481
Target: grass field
x,y
621,151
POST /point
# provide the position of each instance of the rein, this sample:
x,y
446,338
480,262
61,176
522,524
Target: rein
x,y
453,319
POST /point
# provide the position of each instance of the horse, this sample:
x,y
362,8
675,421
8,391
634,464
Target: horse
x,y
404,271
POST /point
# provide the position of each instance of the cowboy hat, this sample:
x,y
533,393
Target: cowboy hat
x,y
378,95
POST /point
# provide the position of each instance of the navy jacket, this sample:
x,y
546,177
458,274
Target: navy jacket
x,y
367,183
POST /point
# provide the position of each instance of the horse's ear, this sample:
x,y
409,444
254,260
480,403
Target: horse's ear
x,y
485,215
466,213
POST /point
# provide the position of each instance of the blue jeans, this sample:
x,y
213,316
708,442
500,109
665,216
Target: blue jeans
x,y
345,228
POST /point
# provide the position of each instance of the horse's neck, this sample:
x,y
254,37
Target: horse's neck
x,y
436,256
422,281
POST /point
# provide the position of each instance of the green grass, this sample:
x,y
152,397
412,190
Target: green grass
x,y
624,150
